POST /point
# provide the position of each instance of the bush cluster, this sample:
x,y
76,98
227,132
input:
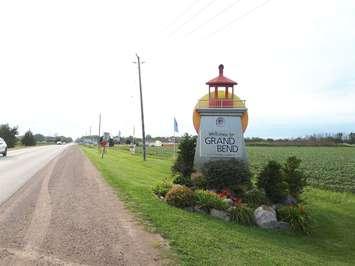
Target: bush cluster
x,y
9,135
28,139
162,188
182,180
185,156
199,182
231,181
226,173
180,196
295,178
254,198
272,181
209,200
278,181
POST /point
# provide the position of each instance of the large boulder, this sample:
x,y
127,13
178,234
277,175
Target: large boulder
x,y
265,217
220,214
201,210
229,202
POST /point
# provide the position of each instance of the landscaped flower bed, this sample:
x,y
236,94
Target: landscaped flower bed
x,y
224,189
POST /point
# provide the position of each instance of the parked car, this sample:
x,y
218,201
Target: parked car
x,y
59,143
3,147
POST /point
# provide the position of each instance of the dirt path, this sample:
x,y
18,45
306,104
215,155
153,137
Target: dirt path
x,y
67,215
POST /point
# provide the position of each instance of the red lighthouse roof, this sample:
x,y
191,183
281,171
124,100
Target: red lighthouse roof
x,y
221,81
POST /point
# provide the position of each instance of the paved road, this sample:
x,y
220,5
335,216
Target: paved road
x,y
67,215
20,165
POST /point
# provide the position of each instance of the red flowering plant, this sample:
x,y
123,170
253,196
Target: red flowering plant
x,y
226,193
223,195
237,201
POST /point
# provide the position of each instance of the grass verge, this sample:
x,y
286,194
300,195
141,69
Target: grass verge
x,y
201,240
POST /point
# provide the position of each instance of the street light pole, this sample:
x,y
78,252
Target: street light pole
x,y
142,112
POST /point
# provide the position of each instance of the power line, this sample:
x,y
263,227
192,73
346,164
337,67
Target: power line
x,y
214,17
193,17
247,13
183,13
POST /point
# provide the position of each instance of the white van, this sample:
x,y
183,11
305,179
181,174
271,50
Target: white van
x,y
3,147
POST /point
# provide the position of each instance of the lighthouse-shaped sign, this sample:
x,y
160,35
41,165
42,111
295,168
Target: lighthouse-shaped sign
x,y
220,119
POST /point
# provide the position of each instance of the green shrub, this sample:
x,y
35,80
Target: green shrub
x,y
296,217
241,188
162,188
271,180
295,178
9,134
185,159
182,180
199,182
226,173
242,214
28,139
255,198
209,200
180,196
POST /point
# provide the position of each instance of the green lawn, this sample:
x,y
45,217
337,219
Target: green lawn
x,y
201,240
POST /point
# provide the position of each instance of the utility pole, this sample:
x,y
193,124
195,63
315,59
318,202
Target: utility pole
x,y
142,112
99,127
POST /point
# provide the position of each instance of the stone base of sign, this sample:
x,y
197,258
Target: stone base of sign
x,y
220,135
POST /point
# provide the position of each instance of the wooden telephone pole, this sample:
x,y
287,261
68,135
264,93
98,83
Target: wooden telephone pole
x,y
99,127
142,112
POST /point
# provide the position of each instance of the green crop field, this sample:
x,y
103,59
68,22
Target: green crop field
x,y
198,239
326,167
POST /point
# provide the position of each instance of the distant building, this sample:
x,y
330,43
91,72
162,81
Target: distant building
x,y
156,143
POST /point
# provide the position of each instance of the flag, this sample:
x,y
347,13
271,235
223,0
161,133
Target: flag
x,y
176,128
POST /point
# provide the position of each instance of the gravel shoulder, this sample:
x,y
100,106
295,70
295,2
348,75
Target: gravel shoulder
x,y
67,215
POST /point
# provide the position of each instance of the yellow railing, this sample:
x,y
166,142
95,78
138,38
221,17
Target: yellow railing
x,y
221,103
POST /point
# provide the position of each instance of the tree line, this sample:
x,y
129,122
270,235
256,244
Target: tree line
x,y
323,139
11,137
93,139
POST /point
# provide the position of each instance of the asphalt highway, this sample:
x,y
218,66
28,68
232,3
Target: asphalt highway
x,y
20,165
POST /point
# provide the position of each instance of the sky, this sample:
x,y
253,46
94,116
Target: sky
x,y
64,62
